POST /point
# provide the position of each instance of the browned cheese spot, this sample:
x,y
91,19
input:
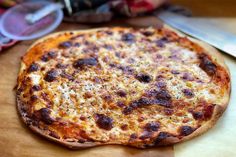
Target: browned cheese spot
x,y
66,44
188,93
145,78
81,63
51,75
33,67
104,122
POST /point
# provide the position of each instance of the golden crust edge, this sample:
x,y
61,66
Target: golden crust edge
x,y
218,111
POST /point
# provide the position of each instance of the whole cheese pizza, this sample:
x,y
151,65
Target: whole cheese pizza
x,y
140,87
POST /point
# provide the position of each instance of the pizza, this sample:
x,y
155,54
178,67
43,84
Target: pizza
x,y
141,87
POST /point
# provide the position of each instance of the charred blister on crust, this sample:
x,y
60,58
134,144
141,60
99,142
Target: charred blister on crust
x,y
145,78
104,122
186,130
161,136
44,115
197,115
80,63
133,137
51,75
50,55
188,93
33,67
208,111
207,65
66,44
203,112
54,134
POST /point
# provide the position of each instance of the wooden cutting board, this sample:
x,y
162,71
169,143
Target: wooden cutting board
x,y
16,140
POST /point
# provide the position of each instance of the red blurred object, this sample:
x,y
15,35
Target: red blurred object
x,y
135,7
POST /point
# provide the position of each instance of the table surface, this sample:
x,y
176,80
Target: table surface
x,y
16,140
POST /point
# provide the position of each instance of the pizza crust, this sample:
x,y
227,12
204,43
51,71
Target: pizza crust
x,y
218,111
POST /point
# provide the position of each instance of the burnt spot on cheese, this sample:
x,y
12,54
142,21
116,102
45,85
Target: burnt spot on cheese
x,y
145,78
175,72
77,44
121,93
67,76
120,104
35,88
124,127
33,67
33,98
84,62
126,69
44,115
152,126
142,102
148,33
128,37
108,47
51,75
186,130
107,97
207,65
188,93
127,110
108,32
203,112
61,66
66,44
104,122
50,55
163,98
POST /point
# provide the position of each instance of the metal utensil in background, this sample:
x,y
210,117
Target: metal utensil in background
x,y
202,30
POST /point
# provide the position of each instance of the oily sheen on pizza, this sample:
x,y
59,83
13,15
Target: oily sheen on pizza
x,y
138,87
